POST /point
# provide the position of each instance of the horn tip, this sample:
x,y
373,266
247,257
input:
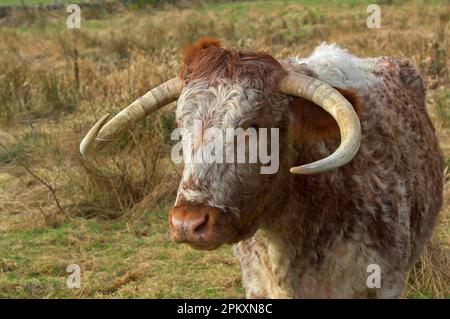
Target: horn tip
x,y
295,170
305,170
88,141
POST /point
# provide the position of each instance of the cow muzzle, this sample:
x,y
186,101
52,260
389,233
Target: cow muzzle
x,y
202,227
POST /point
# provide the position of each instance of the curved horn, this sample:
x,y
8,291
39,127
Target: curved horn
x,y
340,109
103,132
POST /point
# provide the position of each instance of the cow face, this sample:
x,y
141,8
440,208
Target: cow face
x,y
228,112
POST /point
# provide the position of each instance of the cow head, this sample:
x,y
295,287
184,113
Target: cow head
x,y
238,95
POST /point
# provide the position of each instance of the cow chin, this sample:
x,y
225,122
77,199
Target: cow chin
x,y
243,234
216,242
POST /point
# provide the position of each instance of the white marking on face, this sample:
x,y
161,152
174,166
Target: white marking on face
x,y
224,108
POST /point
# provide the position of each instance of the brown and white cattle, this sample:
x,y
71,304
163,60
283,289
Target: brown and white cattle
x,y
359,180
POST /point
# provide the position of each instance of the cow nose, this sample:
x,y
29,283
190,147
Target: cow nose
x,y
190,225
194,224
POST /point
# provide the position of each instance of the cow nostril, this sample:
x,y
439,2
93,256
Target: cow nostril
x,y
199,229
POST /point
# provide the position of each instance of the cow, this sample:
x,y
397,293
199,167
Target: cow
x,y
359,183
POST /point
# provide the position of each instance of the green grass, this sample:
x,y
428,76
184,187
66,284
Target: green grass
x,y
269,5
36,2
116,260
240,9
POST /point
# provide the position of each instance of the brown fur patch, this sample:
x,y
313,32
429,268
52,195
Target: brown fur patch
x,y
313,123
203,43
207,60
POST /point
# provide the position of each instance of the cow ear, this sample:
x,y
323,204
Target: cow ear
x,y
312,123
191,50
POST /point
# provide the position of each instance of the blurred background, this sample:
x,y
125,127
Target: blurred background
x,y
109,215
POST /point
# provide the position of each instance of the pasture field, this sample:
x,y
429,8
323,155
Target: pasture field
x,y
109,216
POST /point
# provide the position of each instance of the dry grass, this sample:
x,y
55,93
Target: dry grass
x,y
45,108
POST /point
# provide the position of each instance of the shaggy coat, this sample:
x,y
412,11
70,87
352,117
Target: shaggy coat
x,y
314,236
